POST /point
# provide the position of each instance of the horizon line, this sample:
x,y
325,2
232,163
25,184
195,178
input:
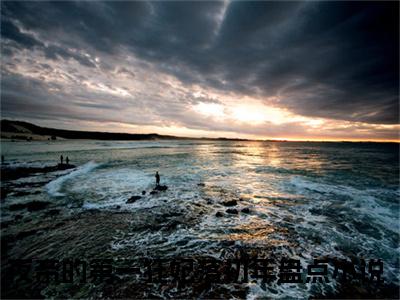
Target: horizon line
x,y
311,140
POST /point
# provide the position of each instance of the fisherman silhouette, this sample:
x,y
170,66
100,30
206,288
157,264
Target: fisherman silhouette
x,y
67,160
157,179
61,159
2,159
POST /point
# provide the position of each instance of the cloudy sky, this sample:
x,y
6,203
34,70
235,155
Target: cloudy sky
x,y
290,70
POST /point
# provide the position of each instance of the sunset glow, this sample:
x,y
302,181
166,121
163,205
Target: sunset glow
x,y
223,91
200,149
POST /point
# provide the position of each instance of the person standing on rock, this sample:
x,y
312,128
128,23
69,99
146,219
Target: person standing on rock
x,y
61,159
67,160
157,179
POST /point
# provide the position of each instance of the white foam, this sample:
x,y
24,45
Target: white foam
x,y
363,200
53,187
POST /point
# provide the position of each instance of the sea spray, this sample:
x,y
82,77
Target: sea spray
x,y
53,187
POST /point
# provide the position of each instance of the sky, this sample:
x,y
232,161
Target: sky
x,y
264,70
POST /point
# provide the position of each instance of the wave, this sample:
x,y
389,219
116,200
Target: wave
x,y
365,202
27,164
281,170
54,186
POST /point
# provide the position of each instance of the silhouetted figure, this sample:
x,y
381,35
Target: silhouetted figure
x,y
61,159
2,159
67,160
157,179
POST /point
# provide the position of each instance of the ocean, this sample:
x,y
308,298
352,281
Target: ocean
x,y
302,200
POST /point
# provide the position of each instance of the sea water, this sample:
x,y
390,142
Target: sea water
x,y
307,199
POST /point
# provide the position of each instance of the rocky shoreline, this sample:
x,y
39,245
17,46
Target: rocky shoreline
x,y
12,173
42,229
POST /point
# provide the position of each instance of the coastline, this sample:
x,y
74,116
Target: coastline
x,y
56,233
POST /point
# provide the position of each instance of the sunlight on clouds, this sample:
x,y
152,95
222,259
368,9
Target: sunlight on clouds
x,y
315,122
258,113
210,109
173,130
161,103
252,113
248,114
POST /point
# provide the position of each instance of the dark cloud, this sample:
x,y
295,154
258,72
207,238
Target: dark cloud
x,y
55,52
323,59
12,32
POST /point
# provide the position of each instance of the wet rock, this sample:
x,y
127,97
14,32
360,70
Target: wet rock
x,y
245,210
161,188
15,173
143,193
201,184
229,203
133,199
65,166
232,211
18,217
171,225
153,192
219,214
118,207
227,243
208,200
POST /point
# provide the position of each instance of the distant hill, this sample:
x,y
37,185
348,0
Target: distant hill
x,y
28,131
25,129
